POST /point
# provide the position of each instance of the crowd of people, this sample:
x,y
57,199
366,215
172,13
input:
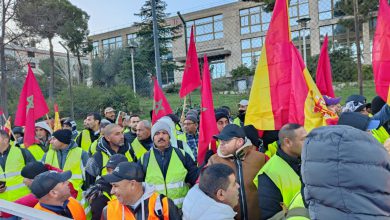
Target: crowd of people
x,y
133,169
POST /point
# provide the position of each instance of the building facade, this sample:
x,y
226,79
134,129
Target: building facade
x,y
233,34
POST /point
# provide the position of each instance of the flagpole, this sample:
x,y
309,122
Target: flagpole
x,y
184,107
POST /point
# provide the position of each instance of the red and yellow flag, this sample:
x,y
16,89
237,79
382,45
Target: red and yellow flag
x,y
57,122
381,52
270,93
307,106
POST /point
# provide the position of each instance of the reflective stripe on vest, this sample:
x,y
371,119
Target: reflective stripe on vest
x,y
105,158
11,175
380,134
85,139
138,148
36,151
73,163
74,207
117,211
173,186
283,176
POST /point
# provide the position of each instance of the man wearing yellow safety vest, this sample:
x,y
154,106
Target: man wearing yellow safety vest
x,y
169,169
99,194
143,142
131,128
135,199
12,161
278,180
65,155
91,131
92,148
42,135
112,143
242,106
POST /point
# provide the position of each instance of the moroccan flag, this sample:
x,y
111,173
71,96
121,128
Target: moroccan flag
x,y
57,122
381,52
270,93
307,106
324,71
161,106
191,75
207,127
32,105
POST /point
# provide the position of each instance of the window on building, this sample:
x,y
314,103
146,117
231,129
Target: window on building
x,y
250,51
298,9
132,39
112,44
206,29
297,38
340,37
95,49
30,54
217,68
33,64
328,9
254,20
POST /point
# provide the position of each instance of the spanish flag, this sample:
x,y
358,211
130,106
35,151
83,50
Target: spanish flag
x,y
307,106
381,52
270,93
57,122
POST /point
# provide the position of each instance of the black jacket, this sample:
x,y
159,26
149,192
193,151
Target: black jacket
x,y
163,159
130,136
95,163
269,194
97,199
91,134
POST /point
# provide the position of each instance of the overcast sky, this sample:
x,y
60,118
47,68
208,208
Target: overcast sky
x,y
109,15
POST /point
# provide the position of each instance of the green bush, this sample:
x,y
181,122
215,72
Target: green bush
x,y
221,84
242,71
95,99
172,88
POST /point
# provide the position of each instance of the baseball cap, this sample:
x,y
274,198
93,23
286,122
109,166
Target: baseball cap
x,y
230,131
46,181
126,171
243,102
331,101
33,169
358,120
109,109
115,160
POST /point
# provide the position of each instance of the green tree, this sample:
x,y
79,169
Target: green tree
x,y
46,19
75,32
242,71
167,34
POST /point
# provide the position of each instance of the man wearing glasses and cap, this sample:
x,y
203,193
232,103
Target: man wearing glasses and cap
x,y
135,199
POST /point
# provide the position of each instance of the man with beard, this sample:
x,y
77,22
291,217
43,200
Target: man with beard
x,y
132,124
242,106
143,142
91,131
109,114
113,142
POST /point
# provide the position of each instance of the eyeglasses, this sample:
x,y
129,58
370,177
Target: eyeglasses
x,y
189,123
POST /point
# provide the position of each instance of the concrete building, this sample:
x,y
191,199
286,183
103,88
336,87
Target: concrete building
x,y
233,34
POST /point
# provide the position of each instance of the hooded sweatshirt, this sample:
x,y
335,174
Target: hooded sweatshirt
x,y
197,205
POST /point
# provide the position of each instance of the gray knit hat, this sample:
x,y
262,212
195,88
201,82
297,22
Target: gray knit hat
x,y
160,125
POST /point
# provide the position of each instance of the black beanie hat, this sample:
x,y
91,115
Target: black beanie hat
x,y
63,135
33,169
376,104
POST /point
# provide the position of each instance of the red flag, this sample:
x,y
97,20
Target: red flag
x,y
381,52
207,127
324,71
32,105
161,106
191,75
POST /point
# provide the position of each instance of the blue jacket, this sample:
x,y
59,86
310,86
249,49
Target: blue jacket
x,y
346,173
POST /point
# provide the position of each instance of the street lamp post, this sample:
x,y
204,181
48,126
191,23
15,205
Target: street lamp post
x,y
70,80
132,47
303,22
